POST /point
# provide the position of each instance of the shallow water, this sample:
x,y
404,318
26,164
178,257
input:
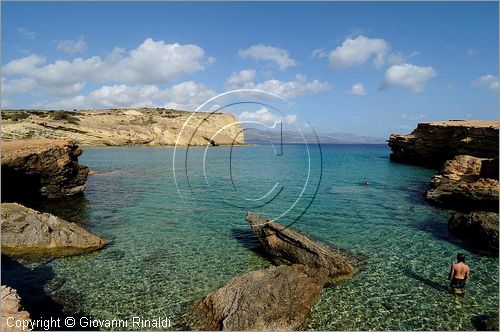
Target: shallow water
x,y
168,252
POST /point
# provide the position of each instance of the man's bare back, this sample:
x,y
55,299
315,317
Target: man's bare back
x,y
459,271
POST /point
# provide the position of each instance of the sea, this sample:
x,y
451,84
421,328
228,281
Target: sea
x,y
176,221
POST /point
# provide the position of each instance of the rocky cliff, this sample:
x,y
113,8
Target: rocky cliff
x,y
432,143
144,126
41,167
467,153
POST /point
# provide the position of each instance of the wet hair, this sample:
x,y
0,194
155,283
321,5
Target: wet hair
x,y
461,257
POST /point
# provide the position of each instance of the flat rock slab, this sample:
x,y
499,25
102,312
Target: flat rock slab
x,y
11,308
286,245
32,234
277,298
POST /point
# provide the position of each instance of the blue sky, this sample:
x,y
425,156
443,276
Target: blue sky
x,y
365,68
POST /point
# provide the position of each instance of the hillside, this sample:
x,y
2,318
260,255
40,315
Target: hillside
x,y
114,127
294,137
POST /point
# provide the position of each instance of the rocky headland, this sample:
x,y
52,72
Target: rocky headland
x,y
466,152
117,127
41,168
432,143
28,233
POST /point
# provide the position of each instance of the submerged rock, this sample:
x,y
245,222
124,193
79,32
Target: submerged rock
x,y
11,307
461,185
41,167
32,234
479,229
277,298
286,245
432,143
486,322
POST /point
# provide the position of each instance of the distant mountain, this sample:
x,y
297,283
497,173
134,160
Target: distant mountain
x,y
294,137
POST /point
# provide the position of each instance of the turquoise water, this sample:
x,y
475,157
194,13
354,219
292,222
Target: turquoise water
x,y
168,252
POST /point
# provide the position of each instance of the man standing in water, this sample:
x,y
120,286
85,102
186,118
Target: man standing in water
x,y
458,274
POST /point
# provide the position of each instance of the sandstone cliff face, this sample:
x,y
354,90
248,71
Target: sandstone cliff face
x,y
433,143
41,167
114,127
462,185
31,234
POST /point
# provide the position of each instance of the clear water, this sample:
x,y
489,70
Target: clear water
x,y
168,253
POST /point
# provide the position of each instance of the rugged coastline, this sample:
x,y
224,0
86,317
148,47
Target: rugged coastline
x,y
466,152
120,127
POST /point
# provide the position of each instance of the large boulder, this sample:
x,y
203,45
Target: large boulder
x,y
461,185
277,298
432,143
32,234
286,245
41,167
479,229
12,312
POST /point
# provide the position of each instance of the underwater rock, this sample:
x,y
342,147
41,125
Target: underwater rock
x,y
32,234
479,229
11,307
277,298
286,245
486,322
41,167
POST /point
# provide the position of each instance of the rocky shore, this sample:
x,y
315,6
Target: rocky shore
x,y
41,167
31,234
11,308
118,127
277,298
466,152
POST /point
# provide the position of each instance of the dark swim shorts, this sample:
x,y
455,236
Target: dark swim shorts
x,y
457,283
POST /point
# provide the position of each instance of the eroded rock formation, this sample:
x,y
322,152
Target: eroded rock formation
x,y
41,167
462,185
286,245
274,299
142,126
32,234
11,310
432,143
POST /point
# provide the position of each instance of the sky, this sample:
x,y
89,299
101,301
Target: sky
x,y
364,68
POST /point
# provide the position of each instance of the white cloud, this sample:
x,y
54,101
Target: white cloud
x,y
17,87
71,46
487,81
410,77
357,90
269,53
27,33
398,58
186,96
358,51
472,51
151,63
240,80
412,117
266,117
290,89
319,53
